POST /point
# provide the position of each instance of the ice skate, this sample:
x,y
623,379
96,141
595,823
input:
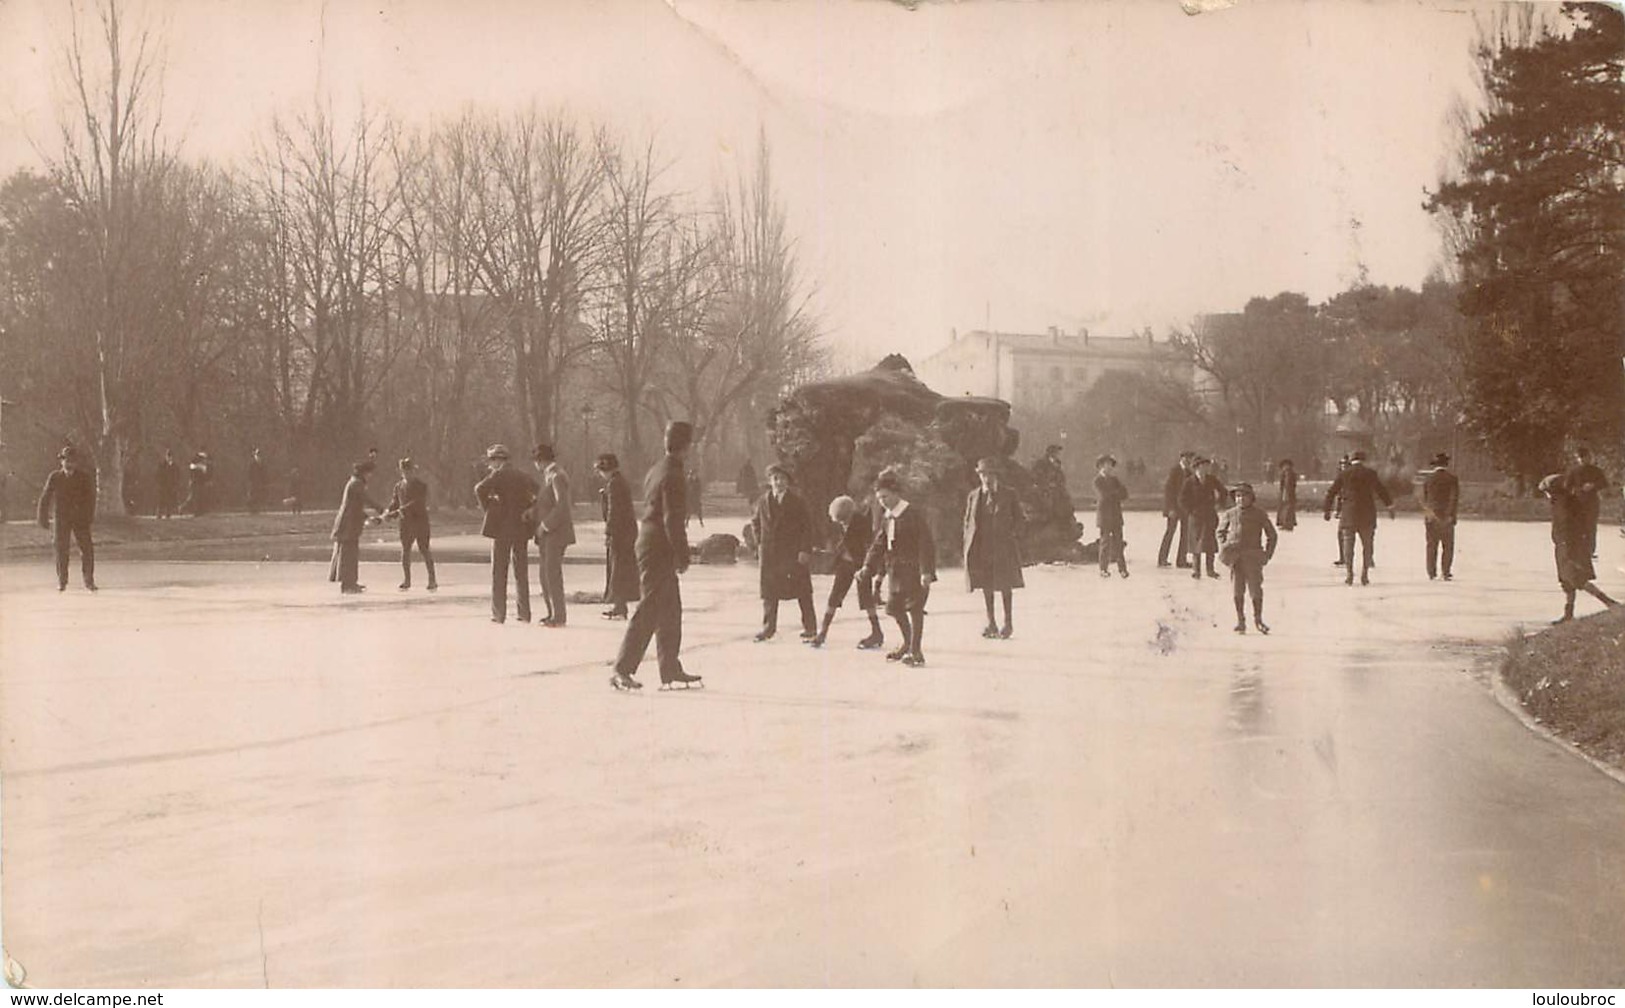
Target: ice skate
x,y
871,642
682,681
624,683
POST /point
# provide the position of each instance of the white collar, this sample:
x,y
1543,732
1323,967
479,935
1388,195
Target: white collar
x,y
902,505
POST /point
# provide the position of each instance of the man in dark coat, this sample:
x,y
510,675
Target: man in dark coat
x,y
1110,493
1586,481
69,498
1249,543
904,550
784,535
696,497
620,537
1358,488
662,555
507,496
348,524
1286,512
854,531
555,531
1174,513
1574,569
1441,493
746,485
410,504
992,545
258,482
1200,498
168,485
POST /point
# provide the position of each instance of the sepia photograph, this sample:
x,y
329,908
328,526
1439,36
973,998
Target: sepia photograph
x,y
807,494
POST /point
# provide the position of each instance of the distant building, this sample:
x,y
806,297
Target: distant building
x,y
1039,372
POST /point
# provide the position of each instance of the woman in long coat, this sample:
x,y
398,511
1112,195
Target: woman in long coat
x,y
992,550
348,524
784,532
1286,515
620,538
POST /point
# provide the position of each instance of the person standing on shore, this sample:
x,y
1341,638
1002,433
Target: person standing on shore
x,y
1286,512
620,538
410,504
69,498
507,496
662,555
1574,569
1248,541
1441,494
168,483
1110,493
258,482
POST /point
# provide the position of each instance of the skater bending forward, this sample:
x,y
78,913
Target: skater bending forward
x,y
1248,539
854,533
904,550
1570,545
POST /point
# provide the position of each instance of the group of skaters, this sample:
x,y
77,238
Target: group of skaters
x,y
884,552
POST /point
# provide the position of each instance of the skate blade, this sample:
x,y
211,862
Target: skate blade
x,y
671,687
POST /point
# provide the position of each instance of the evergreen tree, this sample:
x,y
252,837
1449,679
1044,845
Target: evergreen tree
x,y
1538,207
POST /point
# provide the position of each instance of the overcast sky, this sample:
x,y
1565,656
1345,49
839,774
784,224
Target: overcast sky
x,y
1110,164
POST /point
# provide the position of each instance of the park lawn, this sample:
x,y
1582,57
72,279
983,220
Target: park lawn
x,y
1571,679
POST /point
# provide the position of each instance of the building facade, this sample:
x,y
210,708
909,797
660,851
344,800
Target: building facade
x,y
1042,372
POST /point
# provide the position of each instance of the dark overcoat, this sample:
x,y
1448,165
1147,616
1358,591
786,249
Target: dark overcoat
x,y
69,499
783,530
506,495
905,561
410,501
992,549
1286,513
1110,493
620,540
1358,489
662,547
352,513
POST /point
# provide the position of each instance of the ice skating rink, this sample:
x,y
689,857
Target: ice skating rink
x,y
227,774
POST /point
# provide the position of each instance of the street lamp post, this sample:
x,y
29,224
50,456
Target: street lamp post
x,y
587,412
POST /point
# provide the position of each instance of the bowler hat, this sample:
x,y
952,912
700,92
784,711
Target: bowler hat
x,y
497,451
988,465
607,462
780,469
889,480
1441,459
1358,456
1243,488
1102,460
542,453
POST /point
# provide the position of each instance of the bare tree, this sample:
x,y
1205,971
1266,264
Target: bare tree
x,y
758,336
112,165
538,251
